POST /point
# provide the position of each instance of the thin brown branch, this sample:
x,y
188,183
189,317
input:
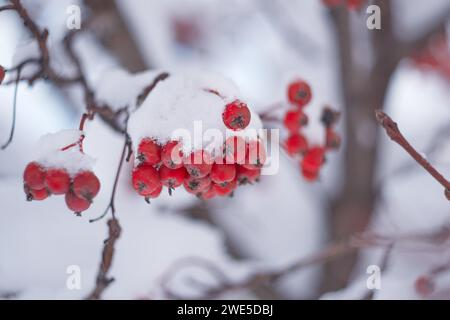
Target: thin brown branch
x,y
394,133
103,280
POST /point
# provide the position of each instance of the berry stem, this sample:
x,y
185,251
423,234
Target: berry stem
x,y
265,115
394,133
13,126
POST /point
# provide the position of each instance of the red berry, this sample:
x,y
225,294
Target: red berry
x,y
57,181
221,173
299,93
294,120
244,175
149,152
172,178
86,185
171,155
331,3
145,179
255,155
2,74
36,194
236,115
313,159
75,203
296,144
234,150
198,164
354,4
154,194
34,176
209,193
196,185
424,286
332,139
225,189
310,175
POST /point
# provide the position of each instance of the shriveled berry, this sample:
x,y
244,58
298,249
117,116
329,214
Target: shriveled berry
x,y
57,181
197,185
221,173
255,155
172,178
75,203
145,179
36,194
313,159
424,286
244,175
234,150
198,164
225,189
332,139
34,176
294,120
299,93
296,144
236,115
2,74
86,185
149,152
171,155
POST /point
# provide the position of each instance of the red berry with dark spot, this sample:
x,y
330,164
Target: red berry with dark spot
x,y
154,194
294,120
234,150
236,115
198,164
209,193
57,181
2,74
221,173
145,179
172,178
313,159
75,203
34,176
196,185
225,189
149,152
171,155
299,93
86,185
244,175
255,155
296,144
36,194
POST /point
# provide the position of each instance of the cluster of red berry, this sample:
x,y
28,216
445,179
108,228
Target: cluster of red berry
x,y
200,173
296,145
350,4
79,191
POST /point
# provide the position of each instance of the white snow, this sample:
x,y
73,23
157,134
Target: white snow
x,y
182,106
49,154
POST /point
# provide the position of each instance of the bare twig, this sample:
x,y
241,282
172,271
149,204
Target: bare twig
x,y
103,281
13,126
394,133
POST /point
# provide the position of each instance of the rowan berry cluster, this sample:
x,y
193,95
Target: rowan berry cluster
x,y
434,57
311,157
41,182
200,173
